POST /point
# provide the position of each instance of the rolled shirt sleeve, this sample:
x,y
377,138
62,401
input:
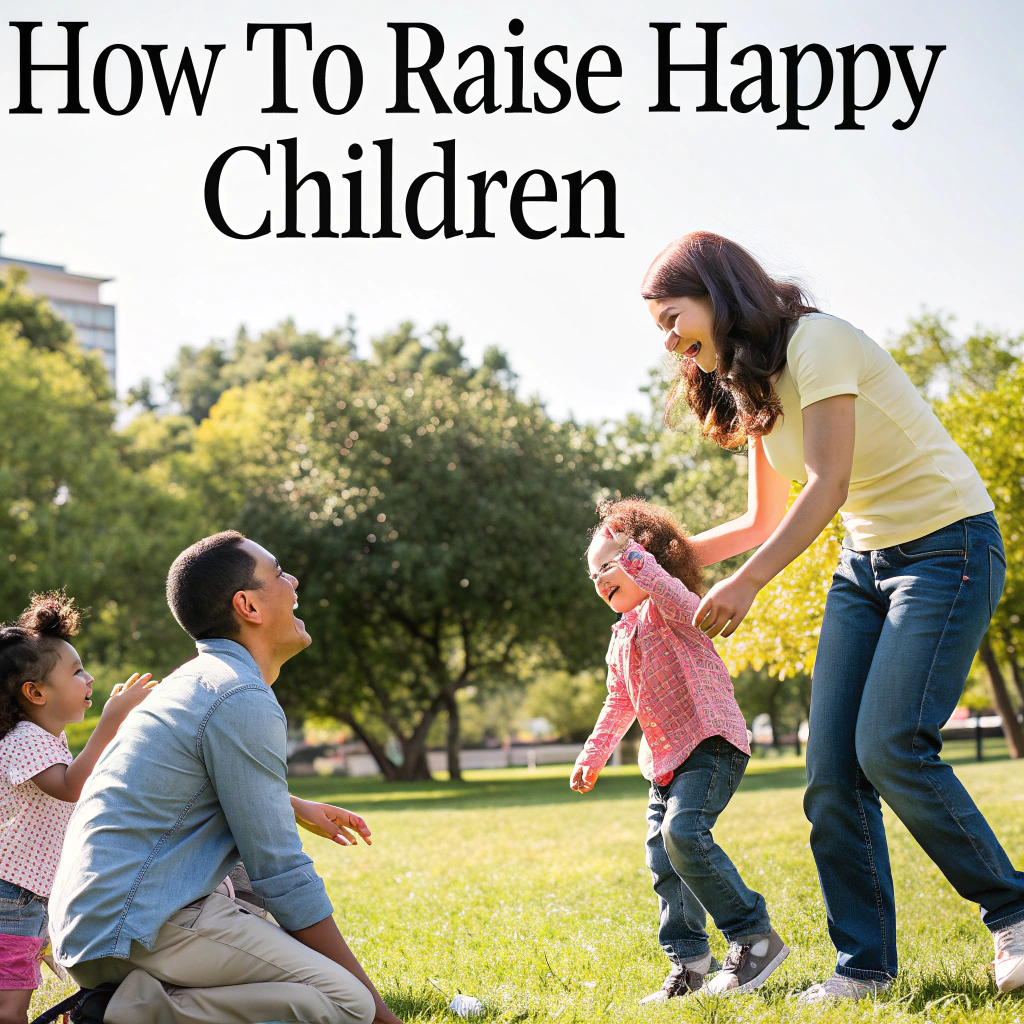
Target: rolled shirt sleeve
x,y
826,358
244,746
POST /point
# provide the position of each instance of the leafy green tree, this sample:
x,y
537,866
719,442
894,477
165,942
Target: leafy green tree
x,y
436,519
570,703
72,514
939,364
199,376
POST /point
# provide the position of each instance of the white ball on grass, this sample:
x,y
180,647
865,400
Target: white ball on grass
x,y
466,1006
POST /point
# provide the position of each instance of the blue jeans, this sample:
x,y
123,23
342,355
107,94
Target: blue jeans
x,y
901,627
690,871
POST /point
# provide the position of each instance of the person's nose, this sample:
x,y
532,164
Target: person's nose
x,y
89,680
292,580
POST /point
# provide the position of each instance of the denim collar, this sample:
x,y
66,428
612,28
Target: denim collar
x,y
228,648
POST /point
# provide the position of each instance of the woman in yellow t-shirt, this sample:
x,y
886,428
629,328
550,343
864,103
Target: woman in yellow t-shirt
x,y
921,570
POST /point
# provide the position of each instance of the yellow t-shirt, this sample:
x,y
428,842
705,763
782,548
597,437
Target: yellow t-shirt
x,y
909,477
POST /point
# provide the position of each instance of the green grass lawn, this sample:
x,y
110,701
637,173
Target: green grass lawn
x,y
511,888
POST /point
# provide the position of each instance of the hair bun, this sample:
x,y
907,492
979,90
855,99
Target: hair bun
x,y
51,614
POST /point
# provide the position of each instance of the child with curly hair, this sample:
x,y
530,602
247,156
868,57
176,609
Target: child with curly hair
x,y
665,672
43,688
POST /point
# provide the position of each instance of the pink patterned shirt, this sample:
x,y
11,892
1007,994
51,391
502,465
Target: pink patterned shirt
x,y
32,823
665,672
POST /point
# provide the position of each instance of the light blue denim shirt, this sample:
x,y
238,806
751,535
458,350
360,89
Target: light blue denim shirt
x,y
193,781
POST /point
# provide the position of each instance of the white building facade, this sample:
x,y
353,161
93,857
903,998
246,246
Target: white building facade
x,y
76,297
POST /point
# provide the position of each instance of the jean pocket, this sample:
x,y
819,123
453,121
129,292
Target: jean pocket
x,y
949,542
12,896
996,577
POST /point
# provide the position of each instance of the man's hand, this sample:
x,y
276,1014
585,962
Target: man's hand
x,y
330,822
583,778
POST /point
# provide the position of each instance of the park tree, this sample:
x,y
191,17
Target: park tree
x,y
436,519
72,513
199,376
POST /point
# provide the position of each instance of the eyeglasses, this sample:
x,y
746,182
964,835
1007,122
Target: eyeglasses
x,y
595,576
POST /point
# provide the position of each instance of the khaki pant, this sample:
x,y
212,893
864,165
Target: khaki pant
x,y
213,961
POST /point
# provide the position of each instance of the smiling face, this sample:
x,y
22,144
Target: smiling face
x,y
688,326
276,601
613,584
65,694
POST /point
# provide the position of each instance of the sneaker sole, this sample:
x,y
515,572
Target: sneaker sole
x,y
762,977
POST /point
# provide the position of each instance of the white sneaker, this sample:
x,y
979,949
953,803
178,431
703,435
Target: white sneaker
x,y
681,981
748,964
839,987
1009,957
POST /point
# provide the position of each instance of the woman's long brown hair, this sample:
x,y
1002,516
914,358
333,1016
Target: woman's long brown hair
x,y
753,313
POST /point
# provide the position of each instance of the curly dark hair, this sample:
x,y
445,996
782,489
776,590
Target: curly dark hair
x,y
29,649
660,533
753,314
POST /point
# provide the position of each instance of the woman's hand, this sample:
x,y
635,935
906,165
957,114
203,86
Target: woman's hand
x,y
126,696
330,822
583,778
725,605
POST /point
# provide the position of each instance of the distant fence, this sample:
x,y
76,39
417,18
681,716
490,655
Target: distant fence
x,y
518,756
331,761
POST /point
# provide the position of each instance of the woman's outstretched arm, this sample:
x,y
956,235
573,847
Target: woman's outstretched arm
x,y
767,497
829,433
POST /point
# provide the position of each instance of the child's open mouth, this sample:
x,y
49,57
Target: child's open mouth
x,y
691,352
611,593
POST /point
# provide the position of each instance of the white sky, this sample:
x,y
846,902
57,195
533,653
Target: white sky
x,y
876,223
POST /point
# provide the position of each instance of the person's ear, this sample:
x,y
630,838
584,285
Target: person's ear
x,y
33,693
245,609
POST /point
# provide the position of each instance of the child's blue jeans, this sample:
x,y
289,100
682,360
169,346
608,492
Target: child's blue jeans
x,y
691,872
901,627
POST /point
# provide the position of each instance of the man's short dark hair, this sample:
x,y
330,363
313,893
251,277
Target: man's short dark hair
x,y
203,581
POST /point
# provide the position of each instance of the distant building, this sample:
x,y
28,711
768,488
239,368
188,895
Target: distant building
x,y
76,298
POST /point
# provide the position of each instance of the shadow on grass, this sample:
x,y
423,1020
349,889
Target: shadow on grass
x,y
514,788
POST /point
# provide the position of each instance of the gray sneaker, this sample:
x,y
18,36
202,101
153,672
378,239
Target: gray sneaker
x,y
683,979
839,987
748,964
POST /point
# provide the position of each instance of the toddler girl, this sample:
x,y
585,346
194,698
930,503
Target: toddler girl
x,y
43,687
666,672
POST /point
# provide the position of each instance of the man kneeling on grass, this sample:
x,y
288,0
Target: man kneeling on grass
x,y
192,782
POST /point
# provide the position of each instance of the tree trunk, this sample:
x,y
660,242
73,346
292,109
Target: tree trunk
x,y
1012,729
388,768
415,767
454,739
1018,677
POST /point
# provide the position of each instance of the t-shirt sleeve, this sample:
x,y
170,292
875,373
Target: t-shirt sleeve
x,y
826,358
33,751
